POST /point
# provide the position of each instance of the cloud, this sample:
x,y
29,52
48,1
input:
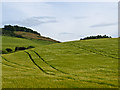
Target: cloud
x,y
34,21
45,17
63,21
60,1
65,33
103,25
82,17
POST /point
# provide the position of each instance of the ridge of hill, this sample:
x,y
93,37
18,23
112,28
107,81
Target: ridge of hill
x,y
23,32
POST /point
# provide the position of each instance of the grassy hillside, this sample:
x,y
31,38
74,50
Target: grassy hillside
x,y
76,64
12,42
28,35
23,32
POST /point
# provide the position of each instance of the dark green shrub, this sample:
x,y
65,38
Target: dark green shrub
x,y
4,52
20,48
30,47
8,50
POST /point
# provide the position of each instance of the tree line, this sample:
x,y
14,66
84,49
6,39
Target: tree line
x,y
96,37
9,30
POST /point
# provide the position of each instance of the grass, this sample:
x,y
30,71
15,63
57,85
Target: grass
x,y
75,64
12,42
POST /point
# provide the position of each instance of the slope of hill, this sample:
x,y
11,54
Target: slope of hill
x,y
23,32
14,36
76,64
33,36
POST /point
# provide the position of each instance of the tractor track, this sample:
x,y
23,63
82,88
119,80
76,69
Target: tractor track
x,y
21,70
37,64
12,66
74,78
48,63
17,63
8,65
101,83
72,74
95,52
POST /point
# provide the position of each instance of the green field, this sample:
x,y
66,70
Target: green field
x,y
12,42
76,64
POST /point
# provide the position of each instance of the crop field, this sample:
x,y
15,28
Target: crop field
x,y
75,64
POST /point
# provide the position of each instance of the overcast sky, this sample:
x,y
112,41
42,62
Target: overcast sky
x,y
64,21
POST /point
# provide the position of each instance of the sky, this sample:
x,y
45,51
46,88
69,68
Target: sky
x,y
63,21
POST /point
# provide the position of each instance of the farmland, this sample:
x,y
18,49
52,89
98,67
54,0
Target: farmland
x,y
77,64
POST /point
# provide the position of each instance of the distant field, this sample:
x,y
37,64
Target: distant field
x,y
75,64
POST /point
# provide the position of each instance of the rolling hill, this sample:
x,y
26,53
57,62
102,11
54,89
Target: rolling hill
x,y
13,42
77,64
23,32
16,36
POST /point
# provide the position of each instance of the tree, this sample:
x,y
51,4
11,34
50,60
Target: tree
x,y
96,37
